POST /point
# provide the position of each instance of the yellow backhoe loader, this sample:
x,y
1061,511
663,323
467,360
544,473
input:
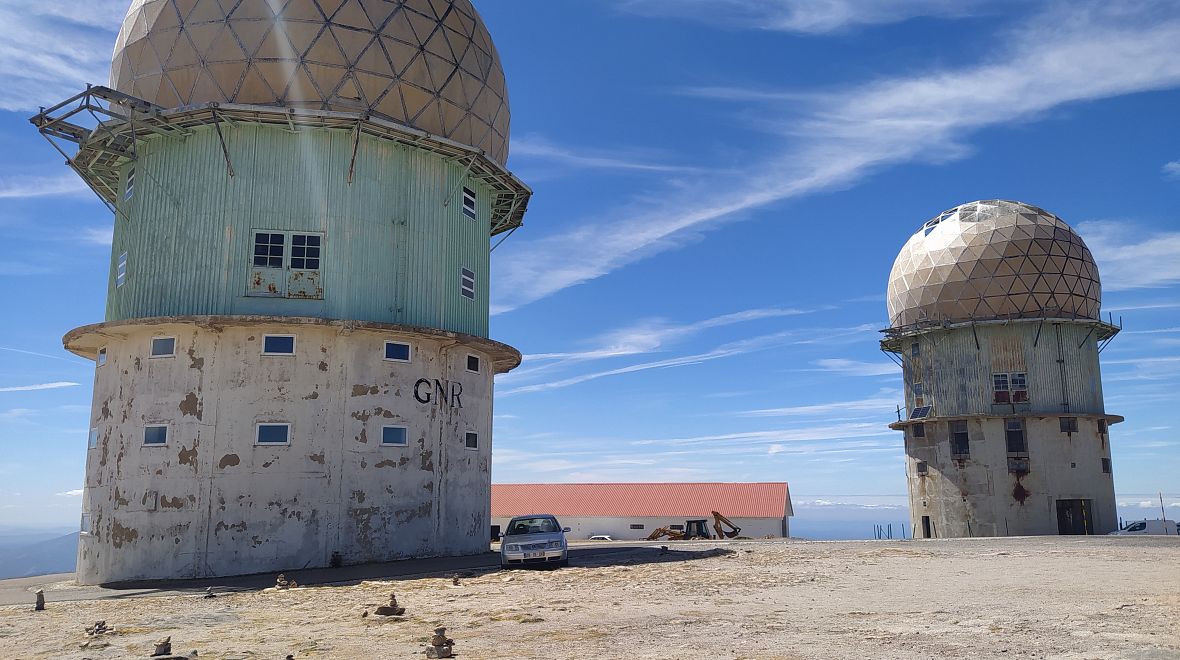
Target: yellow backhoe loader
x,y
698,529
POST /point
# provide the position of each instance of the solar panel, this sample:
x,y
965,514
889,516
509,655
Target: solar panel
x,y
920,412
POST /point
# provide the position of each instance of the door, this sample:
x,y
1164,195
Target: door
x,y
1074,517
926,527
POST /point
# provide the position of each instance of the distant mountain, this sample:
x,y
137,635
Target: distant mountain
x,y
54,555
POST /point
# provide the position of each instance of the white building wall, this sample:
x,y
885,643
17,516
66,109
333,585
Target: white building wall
x,y
619,529
212,502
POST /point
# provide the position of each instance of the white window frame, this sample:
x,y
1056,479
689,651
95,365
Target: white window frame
x,y
478,364
467,435
258,430
466,291
121,270
85,524
294,345
157,425
469,203
92,438
409,351
129,188
405,443
100,358
152,348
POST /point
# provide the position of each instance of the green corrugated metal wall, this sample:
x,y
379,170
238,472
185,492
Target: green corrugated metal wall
x,y
392,251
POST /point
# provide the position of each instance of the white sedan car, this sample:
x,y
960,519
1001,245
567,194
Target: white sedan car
x,y
534,540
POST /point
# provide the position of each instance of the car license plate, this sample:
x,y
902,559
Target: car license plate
x,y
534,555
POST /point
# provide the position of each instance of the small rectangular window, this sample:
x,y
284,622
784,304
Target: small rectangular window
x,y
129,191
155,434
273,434
163,347
919,430
84,526
305,251
915,349
101,358
268,250
467,283
469,203
1068,424
1014,432
1000,388
919,390
1019,388
922,467
960,440
92,441
679,528
473,363
121,271
278,344
397,351
1106,466
1102,427
393,436
471,441
636,526
1018,465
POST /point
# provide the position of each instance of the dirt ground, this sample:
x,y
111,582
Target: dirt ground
x,y
1051,597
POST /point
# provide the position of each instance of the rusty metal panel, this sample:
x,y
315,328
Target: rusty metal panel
x,y
266,282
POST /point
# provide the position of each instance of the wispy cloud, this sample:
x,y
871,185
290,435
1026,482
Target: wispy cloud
x,y
39,386
537,148
17,187
1152,332
71,493
1130,258
1171,170
884,402
856,368
840,137
97,235
807,16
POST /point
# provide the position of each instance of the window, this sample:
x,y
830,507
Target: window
x,y
273,434
84,526
679,528
129,191
305,252
92,442
919,430
921,467
915,349
467,283
469,203
960,440
1106,466
471,441
473,363
121,271
278,344
636,526
163,347
155,434
1014,431
1010,387
397,351
1068,424
1018,465
101,358
393,436
919,391
1102,427
1000,388
268,250
1019,387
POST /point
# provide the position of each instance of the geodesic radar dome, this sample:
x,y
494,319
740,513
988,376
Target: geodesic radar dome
x,y
993,259
429,64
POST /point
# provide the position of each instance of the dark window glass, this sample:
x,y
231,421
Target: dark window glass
x,y
163,346
915,349
102,357
473,363
155,435
1102,426
1106,466
268,250
471,441
278,345
679,528
1000,388
469,203
1018,464
635,526
273,434
919,430
305,252
393,435
467,283
960,440
1014,431
922,467
1069,424
396,350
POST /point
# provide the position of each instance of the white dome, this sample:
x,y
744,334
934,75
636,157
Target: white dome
x,y
993,259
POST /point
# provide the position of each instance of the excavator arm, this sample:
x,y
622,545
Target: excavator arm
x,y
672,534
719,520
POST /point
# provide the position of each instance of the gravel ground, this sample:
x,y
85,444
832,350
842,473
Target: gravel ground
x,y
1049,597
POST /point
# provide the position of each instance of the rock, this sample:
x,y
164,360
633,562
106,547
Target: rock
x,y
455,580
392,609
40,605
440,645
209,593
281,582
99,628
163,647
364,614
439,652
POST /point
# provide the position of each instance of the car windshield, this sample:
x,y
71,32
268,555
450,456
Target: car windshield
x,y
533,526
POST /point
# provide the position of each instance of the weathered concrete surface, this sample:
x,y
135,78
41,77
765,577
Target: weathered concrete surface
x,y
212,502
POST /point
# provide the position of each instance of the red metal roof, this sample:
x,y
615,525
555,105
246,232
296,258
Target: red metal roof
x,y
634,500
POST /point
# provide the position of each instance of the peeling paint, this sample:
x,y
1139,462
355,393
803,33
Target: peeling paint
x,y
324,367
318,458
194,361
173,503
359,496
362,390
121,534
119,500
191,406
228,460
187,456
312,396
221,527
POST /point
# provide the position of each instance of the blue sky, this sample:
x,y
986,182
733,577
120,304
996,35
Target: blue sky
x,y
721,188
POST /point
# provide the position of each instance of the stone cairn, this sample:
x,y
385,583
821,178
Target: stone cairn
x,y
281,582
40,605
440,645
392,609
163,647
209,593
99,628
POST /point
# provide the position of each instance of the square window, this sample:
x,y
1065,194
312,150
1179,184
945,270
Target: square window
x,y
471,441
1105,466
305,252
101,358
393,436
1068,424
1014,432
921,467
473,363
919,430
268,250
278,344
163,347
469,203
92,442
273,434
121,271
155,434
397,351
467,283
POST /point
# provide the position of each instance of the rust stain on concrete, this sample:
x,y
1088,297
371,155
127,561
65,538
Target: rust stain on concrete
x,y
228,460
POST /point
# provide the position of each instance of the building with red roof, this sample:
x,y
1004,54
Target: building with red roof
x,y
633,510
